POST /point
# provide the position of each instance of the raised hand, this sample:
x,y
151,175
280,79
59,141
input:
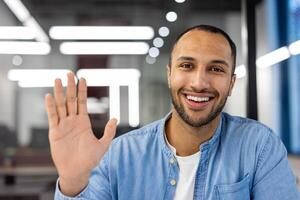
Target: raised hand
x,y
74,148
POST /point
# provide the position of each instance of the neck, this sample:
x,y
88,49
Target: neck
x,y
185,138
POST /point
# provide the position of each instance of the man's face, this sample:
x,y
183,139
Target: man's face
x,y
200,78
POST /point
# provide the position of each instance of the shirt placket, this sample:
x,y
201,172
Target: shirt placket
x,y
199,188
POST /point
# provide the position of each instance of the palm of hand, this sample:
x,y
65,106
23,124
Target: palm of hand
x,y
73,144
74,148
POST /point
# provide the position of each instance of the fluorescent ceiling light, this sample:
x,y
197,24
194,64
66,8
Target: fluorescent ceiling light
x,y
101,32
114,78
103,77
97,106
240,71
40,35
18,8
22,13
180,1
26,48
104,48
163,31
295,48
114,102
158,42
171,16
16,33
153,52
273,57
37,77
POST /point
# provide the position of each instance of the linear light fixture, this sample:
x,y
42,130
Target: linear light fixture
x,y
23,15
37,77
240,71
41,36
104,48
273,57
114,78
24,48
16,33
101,32
294,48
18,8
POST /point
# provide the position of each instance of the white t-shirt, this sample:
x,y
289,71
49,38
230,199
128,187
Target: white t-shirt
x,y
187,173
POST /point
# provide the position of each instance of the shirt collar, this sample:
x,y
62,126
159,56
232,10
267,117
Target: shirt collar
x,y
169,150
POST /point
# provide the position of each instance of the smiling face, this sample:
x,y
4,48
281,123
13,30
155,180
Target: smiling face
x,y
200,76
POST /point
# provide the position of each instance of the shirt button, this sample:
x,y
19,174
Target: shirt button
x,y
173,182
172,160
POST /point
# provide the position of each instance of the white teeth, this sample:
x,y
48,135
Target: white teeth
x,y
198,99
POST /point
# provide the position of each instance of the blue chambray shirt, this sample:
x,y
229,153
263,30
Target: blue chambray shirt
x,y
243,160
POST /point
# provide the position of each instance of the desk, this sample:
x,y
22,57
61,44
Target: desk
x,y
10,173
33,182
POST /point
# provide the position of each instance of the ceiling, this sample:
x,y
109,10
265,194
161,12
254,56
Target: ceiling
x,y
95,6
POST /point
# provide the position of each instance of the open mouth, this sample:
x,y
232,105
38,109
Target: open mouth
x,y
198,101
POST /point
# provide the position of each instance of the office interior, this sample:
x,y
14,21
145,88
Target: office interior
x,y
128,79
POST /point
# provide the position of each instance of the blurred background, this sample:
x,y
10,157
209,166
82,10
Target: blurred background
x,y
122,48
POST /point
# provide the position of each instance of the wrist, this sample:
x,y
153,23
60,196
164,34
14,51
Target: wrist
x,y
72,187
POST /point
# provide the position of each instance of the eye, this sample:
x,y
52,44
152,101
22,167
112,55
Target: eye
x,y
217,69
186,65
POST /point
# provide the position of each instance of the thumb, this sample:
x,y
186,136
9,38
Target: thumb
x,y
109,132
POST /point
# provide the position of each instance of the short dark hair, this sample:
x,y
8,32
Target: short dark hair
x,y
211,29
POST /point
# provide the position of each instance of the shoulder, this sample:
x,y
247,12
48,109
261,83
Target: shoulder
x,y
141,136
244,126
248,133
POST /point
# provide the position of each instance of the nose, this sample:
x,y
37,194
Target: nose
x,y
200,80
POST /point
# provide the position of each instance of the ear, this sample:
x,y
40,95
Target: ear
x,y
168,74
233,78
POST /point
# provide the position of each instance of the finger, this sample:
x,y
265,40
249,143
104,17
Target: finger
x,y
59,99
109,133
71,95
51,111
82,97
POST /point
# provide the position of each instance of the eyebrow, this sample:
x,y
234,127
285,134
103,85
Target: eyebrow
x,y
188,58
223,62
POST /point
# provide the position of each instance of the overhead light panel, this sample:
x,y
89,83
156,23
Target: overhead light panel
x,y
101,32
240,71
23,15
16,33
38,77
163,31
171,16
180,1
24,48
18,8
295,48
40,35
273,57
153,52
104,48
121,77
158,42
103,77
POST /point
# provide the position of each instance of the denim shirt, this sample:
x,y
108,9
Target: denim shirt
x,y
243,160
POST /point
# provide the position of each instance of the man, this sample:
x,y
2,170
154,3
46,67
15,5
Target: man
x,y
195,152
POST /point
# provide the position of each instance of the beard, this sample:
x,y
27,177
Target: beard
x,y
201,122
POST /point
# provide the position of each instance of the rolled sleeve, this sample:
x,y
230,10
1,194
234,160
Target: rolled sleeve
x,y
60,196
